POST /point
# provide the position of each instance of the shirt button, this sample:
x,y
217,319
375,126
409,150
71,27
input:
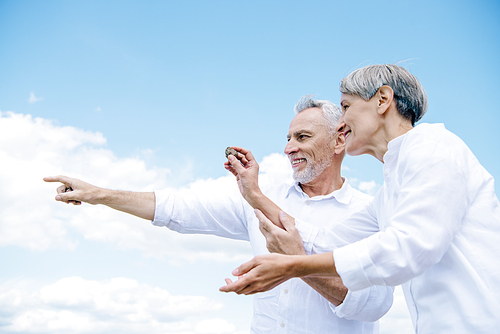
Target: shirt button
x,y
307,202
286,290
282,325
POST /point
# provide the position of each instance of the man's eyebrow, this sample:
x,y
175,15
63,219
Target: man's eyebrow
x,y
302,132
298,133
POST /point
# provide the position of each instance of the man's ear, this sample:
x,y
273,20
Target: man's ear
x,y
385,97
339,143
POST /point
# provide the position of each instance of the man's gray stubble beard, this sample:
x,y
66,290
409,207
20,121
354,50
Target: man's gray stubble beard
x,y
311,172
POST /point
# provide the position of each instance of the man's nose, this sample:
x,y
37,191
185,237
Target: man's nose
x,y
290,147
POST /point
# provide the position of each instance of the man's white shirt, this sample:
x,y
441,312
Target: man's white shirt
x,y
292,307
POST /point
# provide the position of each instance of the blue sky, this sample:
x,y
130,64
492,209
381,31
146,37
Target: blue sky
x,y
143,95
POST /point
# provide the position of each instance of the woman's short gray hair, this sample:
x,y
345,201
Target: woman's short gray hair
x,y
331,113
410,96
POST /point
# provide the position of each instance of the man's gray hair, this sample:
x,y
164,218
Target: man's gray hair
x,y
410,96
331,113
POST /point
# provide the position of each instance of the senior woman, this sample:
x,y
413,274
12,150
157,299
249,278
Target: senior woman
x,y
434,225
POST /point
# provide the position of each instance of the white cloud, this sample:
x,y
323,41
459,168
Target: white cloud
x,y
368,187
118,305
275,169
345,168
33,98
31,148
214,326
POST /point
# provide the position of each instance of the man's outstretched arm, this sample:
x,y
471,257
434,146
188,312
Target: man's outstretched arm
x,y
140,204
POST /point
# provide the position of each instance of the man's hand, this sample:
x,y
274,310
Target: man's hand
x,y
246,170
283,241
140,204
74,191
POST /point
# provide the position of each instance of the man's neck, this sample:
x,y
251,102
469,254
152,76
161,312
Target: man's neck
x,y
322,185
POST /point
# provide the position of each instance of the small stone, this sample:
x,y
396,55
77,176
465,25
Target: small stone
x,y
230,151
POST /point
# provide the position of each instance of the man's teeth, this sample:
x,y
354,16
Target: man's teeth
x,y
298,161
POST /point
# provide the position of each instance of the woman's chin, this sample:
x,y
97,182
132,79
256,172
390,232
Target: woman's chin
x,y
352,150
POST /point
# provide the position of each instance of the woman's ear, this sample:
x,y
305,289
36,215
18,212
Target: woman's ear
x,y
385,97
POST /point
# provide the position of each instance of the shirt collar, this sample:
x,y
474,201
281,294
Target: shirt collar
x,y
342,195
394,145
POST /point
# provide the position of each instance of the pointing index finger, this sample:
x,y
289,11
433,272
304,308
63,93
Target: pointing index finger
x,y
58,178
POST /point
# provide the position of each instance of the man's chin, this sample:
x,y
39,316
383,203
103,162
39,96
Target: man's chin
x,y
302,178
296,176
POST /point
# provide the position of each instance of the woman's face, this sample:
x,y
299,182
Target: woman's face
x,y
359,123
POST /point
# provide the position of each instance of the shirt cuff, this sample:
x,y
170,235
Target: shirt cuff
x,y
164,207
350,305
350,263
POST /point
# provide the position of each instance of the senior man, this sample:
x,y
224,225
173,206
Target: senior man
x,y
316,151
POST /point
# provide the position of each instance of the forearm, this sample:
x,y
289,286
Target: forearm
x,y
331,288
258,200
317,265
140,204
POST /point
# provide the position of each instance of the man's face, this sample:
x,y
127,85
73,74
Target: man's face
x,y
310,145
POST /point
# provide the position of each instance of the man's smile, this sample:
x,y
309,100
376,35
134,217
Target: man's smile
x,y
297,161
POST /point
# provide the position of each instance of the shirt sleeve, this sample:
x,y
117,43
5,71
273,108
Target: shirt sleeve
x,y
221,213
369,304
423,214
358,226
